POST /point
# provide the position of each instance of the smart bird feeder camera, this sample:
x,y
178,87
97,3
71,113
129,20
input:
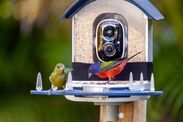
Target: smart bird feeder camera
x,y
106,30
110,30
110,37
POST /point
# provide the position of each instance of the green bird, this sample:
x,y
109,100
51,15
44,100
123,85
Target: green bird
x,y
58,77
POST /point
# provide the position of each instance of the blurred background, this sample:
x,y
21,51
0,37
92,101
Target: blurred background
x,y
33,39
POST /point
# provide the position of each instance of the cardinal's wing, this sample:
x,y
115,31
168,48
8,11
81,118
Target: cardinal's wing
x,y
108,65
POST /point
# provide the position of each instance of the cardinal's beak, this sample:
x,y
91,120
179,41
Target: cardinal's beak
x,y
89,75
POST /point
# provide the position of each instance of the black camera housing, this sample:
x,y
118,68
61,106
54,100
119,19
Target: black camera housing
x,y
110,37
109,41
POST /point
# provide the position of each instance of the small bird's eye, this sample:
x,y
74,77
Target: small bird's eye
x,y
58,67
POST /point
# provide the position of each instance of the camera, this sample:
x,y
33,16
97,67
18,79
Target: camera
x,y
110,40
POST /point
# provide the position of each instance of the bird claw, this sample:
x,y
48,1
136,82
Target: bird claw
x,y
110,79
106,82
110,82
50,91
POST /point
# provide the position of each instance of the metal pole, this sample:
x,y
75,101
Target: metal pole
x,y
109,113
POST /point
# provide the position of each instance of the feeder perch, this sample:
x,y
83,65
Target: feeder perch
x,y
102,91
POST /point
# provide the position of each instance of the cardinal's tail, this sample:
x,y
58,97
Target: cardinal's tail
x,y
134,56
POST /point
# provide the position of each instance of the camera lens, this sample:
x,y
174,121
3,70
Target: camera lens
x,y
109,50
109,32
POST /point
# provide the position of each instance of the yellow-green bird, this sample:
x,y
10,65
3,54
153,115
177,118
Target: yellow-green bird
x,y
58,77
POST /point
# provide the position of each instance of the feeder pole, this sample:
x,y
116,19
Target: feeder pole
x,y
109,113
131,112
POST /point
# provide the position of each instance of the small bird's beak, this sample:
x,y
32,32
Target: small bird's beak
x,y
61,68
89,75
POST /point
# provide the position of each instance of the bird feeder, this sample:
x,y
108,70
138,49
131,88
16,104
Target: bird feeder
x,y
105,30
131,23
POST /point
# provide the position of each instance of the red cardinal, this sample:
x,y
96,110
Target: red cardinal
x,y
109,69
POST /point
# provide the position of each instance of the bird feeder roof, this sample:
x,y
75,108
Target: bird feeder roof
x,y
145,5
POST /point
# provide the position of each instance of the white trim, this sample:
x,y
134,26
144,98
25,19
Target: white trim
x,y
107,100
149,41
73,39
149,44
146,39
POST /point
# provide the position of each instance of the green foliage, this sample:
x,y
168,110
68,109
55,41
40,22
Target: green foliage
x,y
168,64
32,39
45,109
